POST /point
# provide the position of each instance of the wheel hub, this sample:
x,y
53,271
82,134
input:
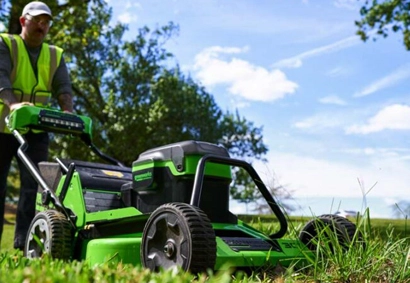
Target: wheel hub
x,y
169,249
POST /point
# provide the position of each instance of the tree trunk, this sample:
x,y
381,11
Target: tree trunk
x,y
15,13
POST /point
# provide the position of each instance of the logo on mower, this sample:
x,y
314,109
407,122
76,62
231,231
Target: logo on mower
x,y
143,176
113,173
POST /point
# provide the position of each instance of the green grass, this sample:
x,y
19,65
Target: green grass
x,y
370,258
381,255
384,229
20,269
8,234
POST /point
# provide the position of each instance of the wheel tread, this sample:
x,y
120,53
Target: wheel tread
x,y
202,235
60,233
346,230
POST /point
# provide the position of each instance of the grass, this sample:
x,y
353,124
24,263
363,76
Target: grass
x,y
20,269
8,234
380,252
369,258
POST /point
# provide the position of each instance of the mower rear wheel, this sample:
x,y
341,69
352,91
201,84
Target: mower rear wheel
x,y
178,235
319,229
49,233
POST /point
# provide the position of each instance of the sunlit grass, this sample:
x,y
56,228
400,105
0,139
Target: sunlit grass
x,y
379,252
374,255
8,234
367,258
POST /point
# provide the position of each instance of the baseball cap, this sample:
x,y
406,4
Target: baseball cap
x,y
36,8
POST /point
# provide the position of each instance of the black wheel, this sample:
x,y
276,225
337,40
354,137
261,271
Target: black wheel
x,y
319,228
178,234
49,233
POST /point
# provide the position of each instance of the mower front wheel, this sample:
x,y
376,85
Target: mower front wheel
x,y
329,228
178,235
49,233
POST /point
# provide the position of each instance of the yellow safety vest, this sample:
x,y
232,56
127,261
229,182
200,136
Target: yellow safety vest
x,y
27,85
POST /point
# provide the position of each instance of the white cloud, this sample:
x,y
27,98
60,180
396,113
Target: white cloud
x,y
360,151
243,78
306,123
347,4
393,117
321,121
397,153
297,61
309,176
332,99
389,80
240,104
337,72
127,18
133,4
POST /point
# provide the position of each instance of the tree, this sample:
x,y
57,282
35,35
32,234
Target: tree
x,y
241,138
136,101
379,19
281,195
142,103
128,90
243,189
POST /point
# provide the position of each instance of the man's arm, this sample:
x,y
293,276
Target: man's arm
x,y
62,87
6,93
8,97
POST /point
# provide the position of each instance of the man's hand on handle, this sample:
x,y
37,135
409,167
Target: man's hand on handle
x,y
18,105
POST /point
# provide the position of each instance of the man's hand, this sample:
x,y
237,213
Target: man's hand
x,y
15,106
66,102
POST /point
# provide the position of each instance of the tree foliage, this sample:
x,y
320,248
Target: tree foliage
x,y
135,99
379,18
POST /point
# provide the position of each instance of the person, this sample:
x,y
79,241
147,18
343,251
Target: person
x,y
31,72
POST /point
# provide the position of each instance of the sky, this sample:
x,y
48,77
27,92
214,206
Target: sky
x,y
335,110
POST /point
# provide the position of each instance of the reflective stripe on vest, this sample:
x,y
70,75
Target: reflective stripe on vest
x,y
27,85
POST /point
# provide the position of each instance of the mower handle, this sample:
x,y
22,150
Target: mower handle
x,y
198,186
47,192
53,120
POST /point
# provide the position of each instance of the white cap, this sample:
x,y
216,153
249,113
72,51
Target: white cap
x,y
36,8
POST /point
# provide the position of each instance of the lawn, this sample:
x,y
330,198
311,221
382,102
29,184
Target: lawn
x,y
8,234
383,258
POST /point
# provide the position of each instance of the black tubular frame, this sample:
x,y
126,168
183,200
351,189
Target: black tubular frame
x,y
199,179
37,176
67,181
87,140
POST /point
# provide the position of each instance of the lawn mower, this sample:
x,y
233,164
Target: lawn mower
x,y
169,209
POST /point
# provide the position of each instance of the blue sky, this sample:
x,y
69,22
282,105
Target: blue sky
x,y
335,111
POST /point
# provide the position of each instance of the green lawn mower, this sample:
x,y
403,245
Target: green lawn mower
x,y
170,209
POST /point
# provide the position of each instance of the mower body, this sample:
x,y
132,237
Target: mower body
x,y
147,214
